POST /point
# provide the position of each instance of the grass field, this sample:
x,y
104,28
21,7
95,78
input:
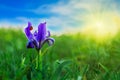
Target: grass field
x,y
72,57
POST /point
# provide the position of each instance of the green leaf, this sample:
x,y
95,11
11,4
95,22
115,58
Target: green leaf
x,y
58,70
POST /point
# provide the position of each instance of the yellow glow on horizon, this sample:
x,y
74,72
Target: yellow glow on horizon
x,y
101,26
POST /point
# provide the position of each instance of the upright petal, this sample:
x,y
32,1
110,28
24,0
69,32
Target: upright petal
x,y
41,32
48,34
27,31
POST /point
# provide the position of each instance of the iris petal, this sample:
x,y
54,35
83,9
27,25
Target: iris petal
x,y
27,31
36,44
39,37
50,41
48,34
41,32
35,35
30,44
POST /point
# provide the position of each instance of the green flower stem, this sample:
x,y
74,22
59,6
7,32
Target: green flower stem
x,y
28,69
39,53
39,61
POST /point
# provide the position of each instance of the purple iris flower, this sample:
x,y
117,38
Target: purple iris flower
x,y
39,37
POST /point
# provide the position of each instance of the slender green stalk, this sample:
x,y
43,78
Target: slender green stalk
x,y
38,60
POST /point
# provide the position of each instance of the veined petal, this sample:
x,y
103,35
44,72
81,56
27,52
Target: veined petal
x,y
50,41
41,32
27,31
30,44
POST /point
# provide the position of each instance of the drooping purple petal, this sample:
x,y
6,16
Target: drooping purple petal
x,y
50,41
27,31
41,32
30,44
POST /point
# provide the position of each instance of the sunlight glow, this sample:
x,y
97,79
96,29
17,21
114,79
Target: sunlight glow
x,y
101,26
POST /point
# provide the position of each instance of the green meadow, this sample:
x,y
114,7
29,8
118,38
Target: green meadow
x,y
72,57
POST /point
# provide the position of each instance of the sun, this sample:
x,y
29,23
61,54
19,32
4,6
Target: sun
x,y
101,26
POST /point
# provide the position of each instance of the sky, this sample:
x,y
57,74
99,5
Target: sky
x,y
60,15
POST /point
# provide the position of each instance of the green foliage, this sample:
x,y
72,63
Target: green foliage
x,y
72,57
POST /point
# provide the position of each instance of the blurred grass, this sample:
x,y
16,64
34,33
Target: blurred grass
x,y
90,60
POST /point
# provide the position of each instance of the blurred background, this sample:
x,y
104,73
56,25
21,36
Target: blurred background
x,y
60,15
86,32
